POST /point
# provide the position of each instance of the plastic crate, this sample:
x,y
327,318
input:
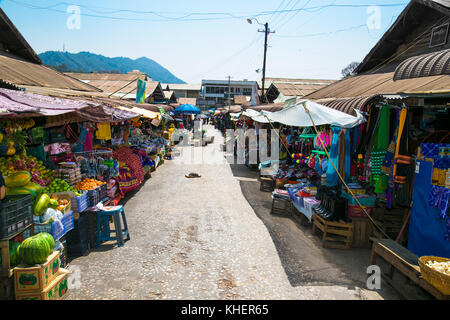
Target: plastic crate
x,y
79,203
77,241
55,229
365,200
97,195
16,214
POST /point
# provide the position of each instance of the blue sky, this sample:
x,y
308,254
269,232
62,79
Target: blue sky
x,y
317,43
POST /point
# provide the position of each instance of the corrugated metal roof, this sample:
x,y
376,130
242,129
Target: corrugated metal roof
x,y
192,101
242,100
107,76
348,104
269,107
183,86
432,64
13,42
382,83
20,72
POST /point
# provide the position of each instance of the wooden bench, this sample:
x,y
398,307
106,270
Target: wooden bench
x,y
404,261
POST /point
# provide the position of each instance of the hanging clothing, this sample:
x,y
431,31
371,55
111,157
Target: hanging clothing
x,y
332,176
379,148
88,143
103,131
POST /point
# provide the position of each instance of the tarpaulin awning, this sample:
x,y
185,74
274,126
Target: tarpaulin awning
x,y
143,112
105,113
297,116
19,102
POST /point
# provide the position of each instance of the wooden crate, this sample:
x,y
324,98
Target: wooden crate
x,y
362,232
267,184
334,234
281,207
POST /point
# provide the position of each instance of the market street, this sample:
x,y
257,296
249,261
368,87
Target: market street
x,y
199,239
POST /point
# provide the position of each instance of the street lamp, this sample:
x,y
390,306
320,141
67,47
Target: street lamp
x,y
266,32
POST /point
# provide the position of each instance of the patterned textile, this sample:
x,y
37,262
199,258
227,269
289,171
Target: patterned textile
x,y
127,180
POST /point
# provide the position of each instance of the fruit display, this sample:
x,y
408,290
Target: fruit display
x,y
31,188
58,185
19,163
18,179
88,184
35,250
58,203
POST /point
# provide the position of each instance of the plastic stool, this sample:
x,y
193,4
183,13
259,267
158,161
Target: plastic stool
x,y
103,221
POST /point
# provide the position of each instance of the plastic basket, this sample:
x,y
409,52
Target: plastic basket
x,y
79,203
16,214
437,279
57,230
65,196
365,200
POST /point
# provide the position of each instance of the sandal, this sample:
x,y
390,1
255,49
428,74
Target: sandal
x,y
193,175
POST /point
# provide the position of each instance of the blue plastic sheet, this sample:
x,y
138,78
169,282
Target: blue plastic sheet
x,y
426,231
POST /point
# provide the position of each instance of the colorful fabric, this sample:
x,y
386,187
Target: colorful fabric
x,y
332,176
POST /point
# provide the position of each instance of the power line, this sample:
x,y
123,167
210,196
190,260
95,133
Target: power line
x,y
293,16
323,33
224,15
279,6
282,13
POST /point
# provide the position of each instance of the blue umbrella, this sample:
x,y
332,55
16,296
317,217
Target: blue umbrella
x,y
187,109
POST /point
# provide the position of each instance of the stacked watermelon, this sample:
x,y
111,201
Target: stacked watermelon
x,y
36,249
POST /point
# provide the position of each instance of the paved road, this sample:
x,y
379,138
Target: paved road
x,y
201,239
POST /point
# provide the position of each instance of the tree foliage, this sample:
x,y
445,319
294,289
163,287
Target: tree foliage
x,y
350,69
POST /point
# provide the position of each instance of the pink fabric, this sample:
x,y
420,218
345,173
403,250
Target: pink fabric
x,y
88,145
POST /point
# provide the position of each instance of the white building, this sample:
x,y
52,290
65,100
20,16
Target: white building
x,y
221,92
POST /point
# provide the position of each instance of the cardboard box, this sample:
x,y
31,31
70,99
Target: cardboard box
x,y
56,290
37,277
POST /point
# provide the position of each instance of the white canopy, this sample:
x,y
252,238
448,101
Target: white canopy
x,y
296,116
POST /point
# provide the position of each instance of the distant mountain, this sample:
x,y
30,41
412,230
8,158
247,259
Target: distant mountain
x,y
90,62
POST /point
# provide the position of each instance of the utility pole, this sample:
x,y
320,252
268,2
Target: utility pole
x,y
229,93
266,31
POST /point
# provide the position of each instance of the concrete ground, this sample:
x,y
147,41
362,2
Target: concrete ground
x,y
214,238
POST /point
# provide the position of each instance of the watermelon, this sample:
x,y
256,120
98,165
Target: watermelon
x,y
49,238
42,204
18,179
34,250
14,255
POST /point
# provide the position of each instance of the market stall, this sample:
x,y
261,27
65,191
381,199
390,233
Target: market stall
x,y
62,163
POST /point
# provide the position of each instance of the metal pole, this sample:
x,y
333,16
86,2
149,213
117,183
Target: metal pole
x,y
266,26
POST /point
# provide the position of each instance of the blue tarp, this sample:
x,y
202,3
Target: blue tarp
x,y
426,231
